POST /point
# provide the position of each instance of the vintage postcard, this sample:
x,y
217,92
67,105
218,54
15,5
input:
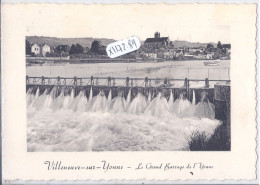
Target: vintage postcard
x,y
129,92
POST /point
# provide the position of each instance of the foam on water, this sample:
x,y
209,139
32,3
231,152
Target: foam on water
x,y
69,123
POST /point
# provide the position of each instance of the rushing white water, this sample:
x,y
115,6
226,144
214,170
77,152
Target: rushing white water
x,y
149,97
158,106
118,104
109,98
91,94
138,105
98,103
204,109
128,99
191,108
180,106
78,123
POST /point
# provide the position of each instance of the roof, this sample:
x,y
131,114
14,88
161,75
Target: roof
x,y
35,45
46,45
160,39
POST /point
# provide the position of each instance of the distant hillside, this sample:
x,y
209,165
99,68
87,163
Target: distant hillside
x,y
182,43
179,43
54,41
86,42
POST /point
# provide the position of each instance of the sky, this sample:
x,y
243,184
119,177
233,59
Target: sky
x,y
200,24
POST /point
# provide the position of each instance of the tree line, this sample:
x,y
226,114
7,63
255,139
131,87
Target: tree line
x,y
96,48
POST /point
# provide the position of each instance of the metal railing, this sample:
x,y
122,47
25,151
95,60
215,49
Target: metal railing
x,y
129,70
111,81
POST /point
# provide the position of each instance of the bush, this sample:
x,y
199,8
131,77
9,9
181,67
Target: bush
x,y
197,141
219,141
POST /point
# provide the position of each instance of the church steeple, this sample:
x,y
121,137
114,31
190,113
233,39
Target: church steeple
x,y
157,34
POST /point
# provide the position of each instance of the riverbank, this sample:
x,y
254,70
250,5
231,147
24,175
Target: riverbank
x,y
53,60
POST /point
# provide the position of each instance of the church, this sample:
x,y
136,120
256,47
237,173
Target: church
x,y
156,42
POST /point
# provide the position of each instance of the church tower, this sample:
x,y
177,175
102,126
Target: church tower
x,y
157,34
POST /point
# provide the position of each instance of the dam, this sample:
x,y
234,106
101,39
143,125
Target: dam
x,y
189,90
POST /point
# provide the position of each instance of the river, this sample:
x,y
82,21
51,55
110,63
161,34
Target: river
x,y
193,69
68,123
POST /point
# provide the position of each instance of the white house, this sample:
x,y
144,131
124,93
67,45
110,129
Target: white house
x,y
168,55
35,49
210,55
46,49
179,52
194,50
151,55
203,56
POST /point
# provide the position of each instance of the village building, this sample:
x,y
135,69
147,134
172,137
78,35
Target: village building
x,y
168,55
36,49
200,57
188,56
179,53
196,50
151,55
52,49
45,49
156,42
160,54
210,55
